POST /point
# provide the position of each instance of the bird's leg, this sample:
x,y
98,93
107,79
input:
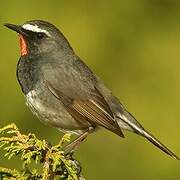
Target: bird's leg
x,y
70,148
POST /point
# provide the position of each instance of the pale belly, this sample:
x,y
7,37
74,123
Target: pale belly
x,y
51,112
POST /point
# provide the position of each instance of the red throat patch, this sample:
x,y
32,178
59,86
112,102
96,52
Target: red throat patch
x,y
23,46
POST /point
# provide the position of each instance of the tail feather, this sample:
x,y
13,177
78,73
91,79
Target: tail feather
x,y
158,144
136,127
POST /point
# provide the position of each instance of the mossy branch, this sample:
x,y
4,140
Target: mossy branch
x,y
39,159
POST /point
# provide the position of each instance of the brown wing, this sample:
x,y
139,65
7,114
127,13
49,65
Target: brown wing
x,y
95,110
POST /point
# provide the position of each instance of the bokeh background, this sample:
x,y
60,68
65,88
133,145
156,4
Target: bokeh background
x,y
134,46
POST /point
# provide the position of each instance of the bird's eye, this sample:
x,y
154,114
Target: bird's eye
x,y
40,35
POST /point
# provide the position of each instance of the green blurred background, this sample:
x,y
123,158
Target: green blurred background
x,y
134,46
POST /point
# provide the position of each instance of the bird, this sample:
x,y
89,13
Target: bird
x,y
63,92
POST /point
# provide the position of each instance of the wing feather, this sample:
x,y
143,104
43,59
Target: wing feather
x,y
94,110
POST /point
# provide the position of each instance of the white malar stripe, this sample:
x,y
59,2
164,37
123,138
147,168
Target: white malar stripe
x,y
35,28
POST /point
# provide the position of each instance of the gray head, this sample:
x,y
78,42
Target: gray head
x,y
39,36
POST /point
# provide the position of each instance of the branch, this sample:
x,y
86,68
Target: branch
x,y
54,163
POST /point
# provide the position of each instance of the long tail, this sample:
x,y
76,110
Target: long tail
x,y
158,144
136,127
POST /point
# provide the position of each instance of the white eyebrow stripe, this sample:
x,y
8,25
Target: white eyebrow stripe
x,y
35,28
